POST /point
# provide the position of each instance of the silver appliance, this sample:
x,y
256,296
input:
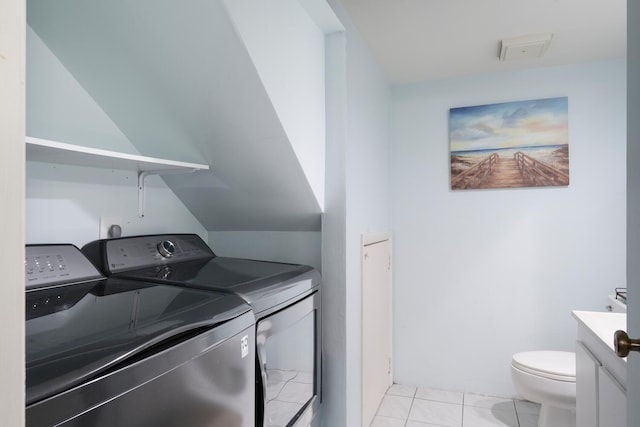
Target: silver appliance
x,y
285,299
111,352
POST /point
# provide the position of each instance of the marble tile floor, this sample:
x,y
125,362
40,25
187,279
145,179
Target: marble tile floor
x,y
404,406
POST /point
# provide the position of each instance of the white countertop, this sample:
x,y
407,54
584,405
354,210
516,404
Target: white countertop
x,y
602,323
595,332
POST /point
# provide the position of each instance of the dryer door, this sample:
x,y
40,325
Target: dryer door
x,y
288,344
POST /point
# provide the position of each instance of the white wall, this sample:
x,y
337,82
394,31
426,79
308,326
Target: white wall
x,y
64,203
368,190
287,49
359,187
333,240
12,106
280,246
59,108
186,91
480,275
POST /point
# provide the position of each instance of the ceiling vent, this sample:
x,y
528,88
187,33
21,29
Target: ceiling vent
x,y
533,46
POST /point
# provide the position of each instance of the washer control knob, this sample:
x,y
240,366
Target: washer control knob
x,y
166,248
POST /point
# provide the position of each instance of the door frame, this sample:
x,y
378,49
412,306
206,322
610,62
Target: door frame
x,y
12,138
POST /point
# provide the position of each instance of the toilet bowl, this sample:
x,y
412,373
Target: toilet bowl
x,y
548,378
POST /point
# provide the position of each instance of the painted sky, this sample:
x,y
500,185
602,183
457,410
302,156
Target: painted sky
x,y
509,125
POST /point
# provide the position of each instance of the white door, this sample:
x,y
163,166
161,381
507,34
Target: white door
x,y
376,326
633,207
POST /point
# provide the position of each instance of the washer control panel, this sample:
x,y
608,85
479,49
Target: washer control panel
x,y
47,265
129,253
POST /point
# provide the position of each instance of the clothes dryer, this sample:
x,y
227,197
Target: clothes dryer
x,y
285,299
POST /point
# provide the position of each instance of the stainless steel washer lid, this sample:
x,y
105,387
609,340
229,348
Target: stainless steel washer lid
x,y
266,286
555,365
78,332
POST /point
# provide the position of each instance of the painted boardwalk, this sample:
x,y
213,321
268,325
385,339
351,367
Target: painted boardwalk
x,y
506,174
520,170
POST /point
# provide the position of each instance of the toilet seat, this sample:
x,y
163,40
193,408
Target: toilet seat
x,y
554,365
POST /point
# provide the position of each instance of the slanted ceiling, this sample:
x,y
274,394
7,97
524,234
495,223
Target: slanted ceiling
x,y
178,82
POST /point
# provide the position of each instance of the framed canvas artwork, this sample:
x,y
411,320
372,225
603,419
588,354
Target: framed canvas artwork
x,y
510,145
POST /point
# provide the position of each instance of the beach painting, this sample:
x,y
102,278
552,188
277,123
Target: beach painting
x,y
510,145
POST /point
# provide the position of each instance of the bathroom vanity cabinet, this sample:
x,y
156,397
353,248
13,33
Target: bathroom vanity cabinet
x,y
601,399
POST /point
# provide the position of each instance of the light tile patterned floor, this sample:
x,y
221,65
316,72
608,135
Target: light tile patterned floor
x,y
405,406
287,393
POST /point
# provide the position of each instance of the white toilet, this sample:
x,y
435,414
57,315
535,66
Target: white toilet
x,y
548,378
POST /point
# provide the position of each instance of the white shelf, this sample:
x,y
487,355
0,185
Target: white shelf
x,y
43,150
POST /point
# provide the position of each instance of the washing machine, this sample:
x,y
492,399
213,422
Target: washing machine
x,y
111,352
285,299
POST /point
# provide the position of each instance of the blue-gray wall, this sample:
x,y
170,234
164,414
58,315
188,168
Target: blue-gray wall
x,y
480,275
64,203
357,201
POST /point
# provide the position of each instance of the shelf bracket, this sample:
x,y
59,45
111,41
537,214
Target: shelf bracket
x,y
142,176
